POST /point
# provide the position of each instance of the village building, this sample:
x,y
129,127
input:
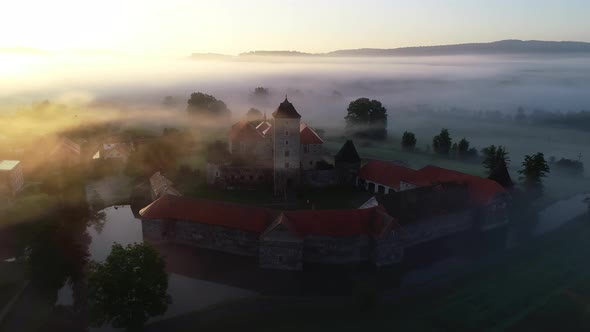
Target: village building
x,y
384,177
160,186
11,176
114,150
65,153
268,152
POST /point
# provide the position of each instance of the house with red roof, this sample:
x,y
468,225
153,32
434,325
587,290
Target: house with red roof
x,y
283,145
385,177
311,147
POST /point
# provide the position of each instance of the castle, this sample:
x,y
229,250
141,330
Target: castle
x,y
269,151
414,213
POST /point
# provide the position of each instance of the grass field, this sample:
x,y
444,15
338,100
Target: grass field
x,y
537,286
519,140
390,150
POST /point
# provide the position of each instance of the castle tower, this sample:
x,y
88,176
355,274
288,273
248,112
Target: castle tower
x,y
286,147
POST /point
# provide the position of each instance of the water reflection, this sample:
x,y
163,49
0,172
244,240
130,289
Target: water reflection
x,y
119,225
200,278
188,292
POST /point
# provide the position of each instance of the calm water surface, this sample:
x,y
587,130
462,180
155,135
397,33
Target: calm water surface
x,y
188,294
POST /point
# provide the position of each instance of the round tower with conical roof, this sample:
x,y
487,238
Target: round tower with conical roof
x,y
286,147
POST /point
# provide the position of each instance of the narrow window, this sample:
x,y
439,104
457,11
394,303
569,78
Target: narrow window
x,y
286,142
286,165
286,153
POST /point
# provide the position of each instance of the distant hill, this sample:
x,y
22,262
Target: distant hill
x,y
211,56
493,48
499,47
277,53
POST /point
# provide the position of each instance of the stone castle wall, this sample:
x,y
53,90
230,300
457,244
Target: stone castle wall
x,y
284,251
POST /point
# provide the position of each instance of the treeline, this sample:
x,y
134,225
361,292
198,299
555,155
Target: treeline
x,y
495,160
442,145
574,120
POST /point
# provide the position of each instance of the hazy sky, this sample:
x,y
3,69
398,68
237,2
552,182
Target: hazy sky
x,y
179,27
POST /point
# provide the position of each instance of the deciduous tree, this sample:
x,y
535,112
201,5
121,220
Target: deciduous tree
x,y
534,169
367,118
463,147
442,143
128,288
207,105
409,141
254,114
494,156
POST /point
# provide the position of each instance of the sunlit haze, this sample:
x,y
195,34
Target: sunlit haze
x,y
294,165
180,27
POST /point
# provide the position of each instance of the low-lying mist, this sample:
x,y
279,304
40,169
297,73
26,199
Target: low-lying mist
x,y
321,87
421,93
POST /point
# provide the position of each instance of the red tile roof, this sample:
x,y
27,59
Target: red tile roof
x,y
337,223
230,215
308,135
385,173
481,190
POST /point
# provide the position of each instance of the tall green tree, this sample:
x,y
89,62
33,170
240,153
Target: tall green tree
x,y
442,143
128,288
159,155
206,105
261,92
493,157
254,114
367,118
534,169
409,141
463,148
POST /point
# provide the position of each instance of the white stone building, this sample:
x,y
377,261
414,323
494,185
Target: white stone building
x,y
11,176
